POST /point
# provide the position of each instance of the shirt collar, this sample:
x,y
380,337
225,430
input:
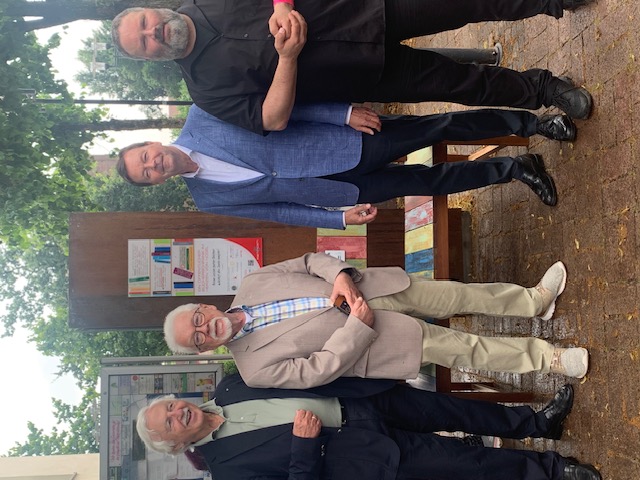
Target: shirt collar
x,y
209,407
189,152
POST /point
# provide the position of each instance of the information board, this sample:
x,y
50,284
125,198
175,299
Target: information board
x,y
124,391
186,267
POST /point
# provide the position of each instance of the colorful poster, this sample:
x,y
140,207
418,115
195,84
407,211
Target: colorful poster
x,y
190,266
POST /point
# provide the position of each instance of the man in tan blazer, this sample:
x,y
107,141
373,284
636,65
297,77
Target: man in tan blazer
x,y
286,333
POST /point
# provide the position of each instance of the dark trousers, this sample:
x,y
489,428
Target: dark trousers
x,y
379,181
409,416
412,75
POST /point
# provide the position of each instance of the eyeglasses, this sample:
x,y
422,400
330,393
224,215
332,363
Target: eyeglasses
x,y
199,338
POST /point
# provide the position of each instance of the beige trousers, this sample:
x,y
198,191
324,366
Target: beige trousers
x,y
452,348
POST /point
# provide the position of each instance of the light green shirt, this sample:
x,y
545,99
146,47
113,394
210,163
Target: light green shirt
x,y
256,414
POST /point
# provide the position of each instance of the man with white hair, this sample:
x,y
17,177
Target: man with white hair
x,y
285,332
356,428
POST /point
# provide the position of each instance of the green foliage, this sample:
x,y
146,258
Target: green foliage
x,y
79,433
126,78
34,279
81,351
42,179
42,175
228,366
110,193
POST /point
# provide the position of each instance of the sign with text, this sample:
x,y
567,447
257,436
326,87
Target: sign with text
x,y
176,267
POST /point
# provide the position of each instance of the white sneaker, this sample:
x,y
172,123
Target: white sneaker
x,y
572,362
551,285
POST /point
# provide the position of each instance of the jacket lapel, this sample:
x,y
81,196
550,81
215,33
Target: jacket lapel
x,y
204,145
226,448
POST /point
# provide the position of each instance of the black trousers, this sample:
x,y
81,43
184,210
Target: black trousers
x,y
412,75
409,416
400,135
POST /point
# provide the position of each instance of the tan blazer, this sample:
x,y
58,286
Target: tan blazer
x,y
316,348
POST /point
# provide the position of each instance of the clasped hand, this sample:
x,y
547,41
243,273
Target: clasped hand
x,y
306,424
344,285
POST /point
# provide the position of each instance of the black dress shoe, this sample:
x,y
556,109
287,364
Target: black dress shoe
x,y
574,470
557,410
537,178
574,101
556,127
573,4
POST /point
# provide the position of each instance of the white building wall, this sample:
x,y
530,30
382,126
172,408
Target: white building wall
x,y
53,467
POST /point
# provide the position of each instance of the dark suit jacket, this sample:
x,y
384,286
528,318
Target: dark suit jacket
x,y
338,453
233,61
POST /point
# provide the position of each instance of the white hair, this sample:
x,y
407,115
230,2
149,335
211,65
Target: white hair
x,y
147,435
170,329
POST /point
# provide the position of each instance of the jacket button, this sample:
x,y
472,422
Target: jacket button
x,y
275,174
245,35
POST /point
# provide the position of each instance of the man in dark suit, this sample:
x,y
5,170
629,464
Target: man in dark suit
x,y
351,52
317,162
356,428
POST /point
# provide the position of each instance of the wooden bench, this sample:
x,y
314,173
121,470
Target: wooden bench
x,y
447,247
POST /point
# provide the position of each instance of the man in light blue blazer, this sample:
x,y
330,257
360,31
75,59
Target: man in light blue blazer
x,y
335,155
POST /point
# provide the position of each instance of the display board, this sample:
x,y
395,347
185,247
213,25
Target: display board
x,y
186,267
124,391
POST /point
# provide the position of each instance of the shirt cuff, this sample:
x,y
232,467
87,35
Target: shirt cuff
x,y
348,119
344,221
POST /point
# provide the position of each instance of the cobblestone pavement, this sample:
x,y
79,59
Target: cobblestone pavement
x,y
594,229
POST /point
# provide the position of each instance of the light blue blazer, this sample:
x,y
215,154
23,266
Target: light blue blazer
x,y
316,143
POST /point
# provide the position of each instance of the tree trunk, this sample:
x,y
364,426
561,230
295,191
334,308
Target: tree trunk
x,y
119,125
58,12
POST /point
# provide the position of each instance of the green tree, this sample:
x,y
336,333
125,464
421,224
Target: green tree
x,y
34,280
78,435
80,352
42,175
112,194
68,127
125,78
